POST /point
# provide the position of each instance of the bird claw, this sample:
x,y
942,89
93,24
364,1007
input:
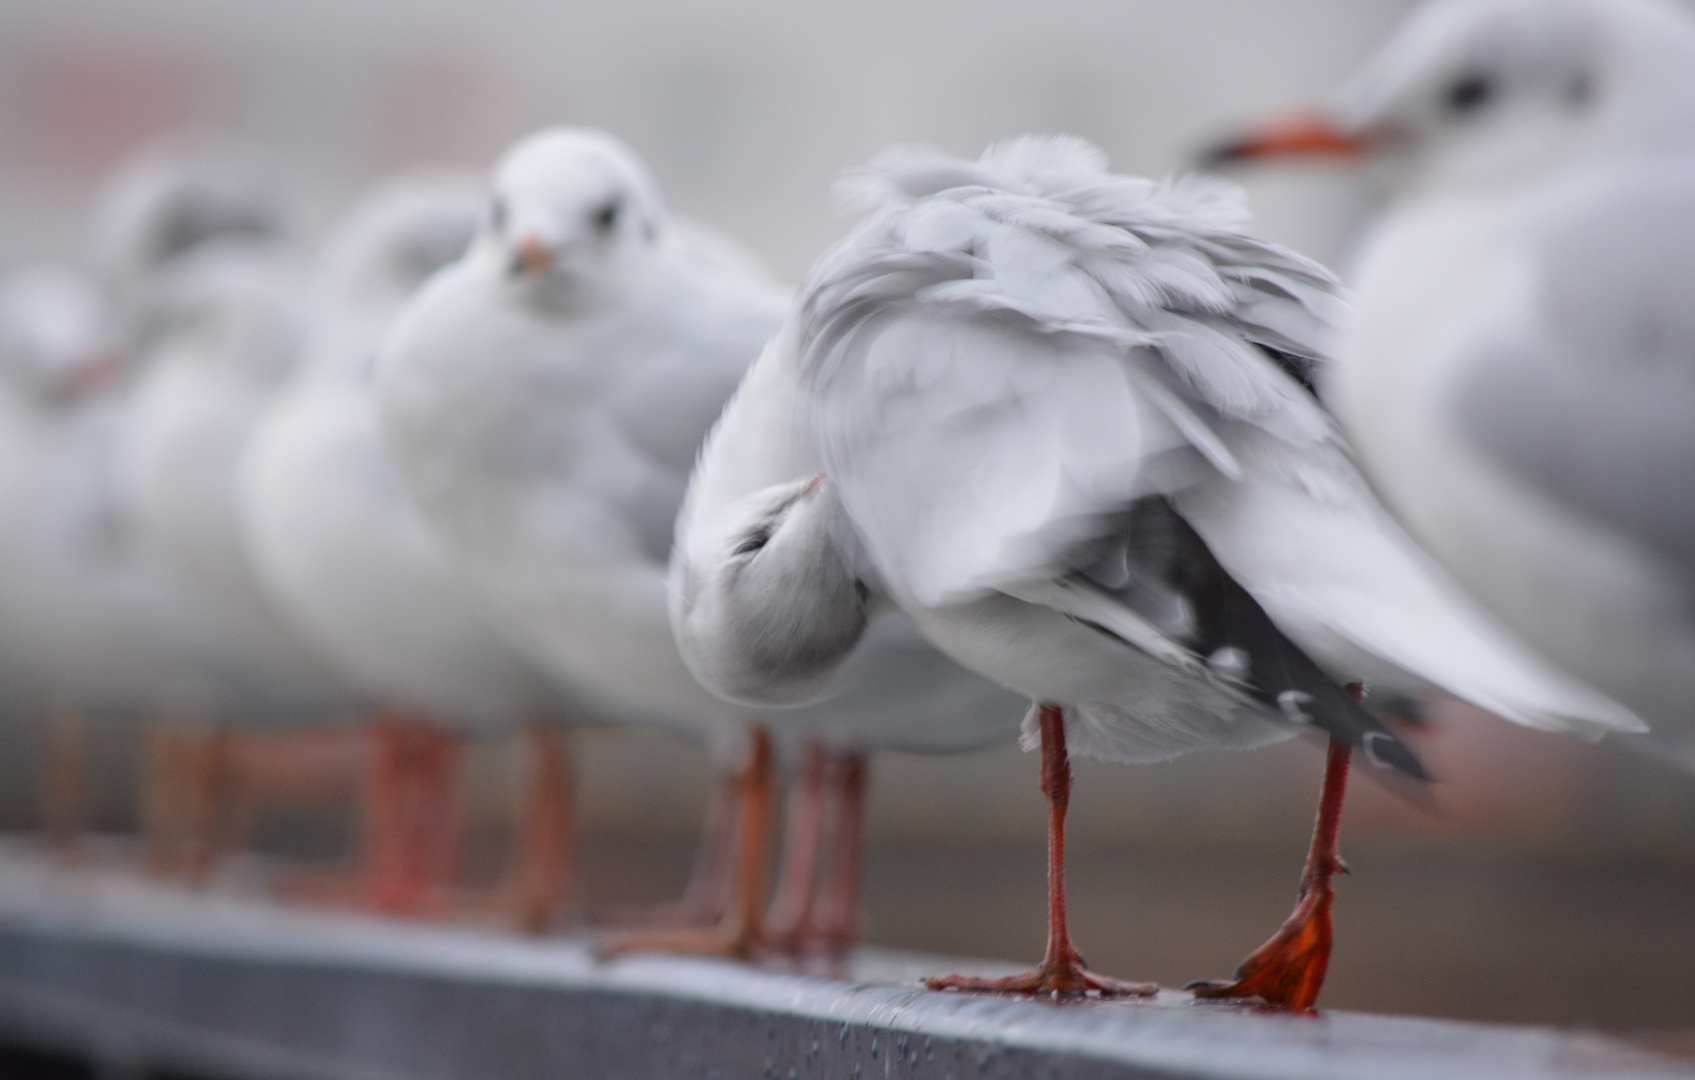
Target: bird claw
x,y
730,944
1064,979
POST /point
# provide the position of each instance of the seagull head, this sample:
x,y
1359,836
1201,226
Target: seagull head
x,y
767,594
54,335
573,212
1497,92
181,192
400,234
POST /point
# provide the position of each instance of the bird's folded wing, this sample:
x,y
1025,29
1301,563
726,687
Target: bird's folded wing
x,y
1022,346
1303,535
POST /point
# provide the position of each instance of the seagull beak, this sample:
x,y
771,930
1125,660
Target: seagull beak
x,y
94,376
532,257
1302,135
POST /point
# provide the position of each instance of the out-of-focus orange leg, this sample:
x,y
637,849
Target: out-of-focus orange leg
x,y
789,926
544,871
1062,972
707,895
738,934
838,910
65,795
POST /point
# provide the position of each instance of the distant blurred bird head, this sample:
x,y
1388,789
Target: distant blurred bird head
x,y
182,192
398,235
1484,92
54,336
574,209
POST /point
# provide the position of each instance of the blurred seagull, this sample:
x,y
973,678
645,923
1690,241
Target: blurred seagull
x,y
178,194
344,557
545,400
1063,420
1519,375
542,401
90,622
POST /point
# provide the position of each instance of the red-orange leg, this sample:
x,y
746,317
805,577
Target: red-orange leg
x,y
1062,973
738,933
837,926
545,871
1288,970
789,925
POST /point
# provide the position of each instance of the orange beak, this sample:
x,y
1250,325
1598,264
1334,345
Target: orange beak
x,y
533,257
94,376
1306,135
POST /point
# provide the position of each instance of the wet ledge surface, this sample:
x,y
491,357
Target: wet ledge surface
x,y
135,976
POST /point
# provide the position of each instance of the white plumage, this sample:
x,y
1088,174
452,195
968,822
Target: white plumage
x,y
1014,352
230,320
338,547
87,617
1519,377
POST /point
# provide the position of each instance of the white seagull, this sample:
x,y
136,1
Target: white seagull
x,y
231,318
177,194
545,400
90,621
338,547
1519,376
1063,420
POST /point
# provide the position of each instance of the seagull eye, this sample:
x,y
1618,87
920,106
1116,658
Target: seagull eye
x,y
497,214
1468,94
607,216
754,541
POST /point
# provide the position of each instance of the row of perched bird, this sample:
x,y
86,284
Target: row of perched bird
x,y
1036,444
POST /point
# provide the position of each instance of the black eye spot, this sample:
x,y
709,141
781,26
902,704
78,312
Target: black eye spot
x,y
607,216
754,541
497,214
1468,94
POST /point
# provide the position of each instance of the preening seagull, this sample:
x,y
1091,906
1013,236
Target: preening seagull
x,y
1064,421
1519,375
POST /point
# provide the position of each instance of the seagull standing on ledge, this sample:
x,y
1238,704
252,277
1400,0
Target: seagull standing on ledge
x,y
546,399
1519,376
1064,420
351,566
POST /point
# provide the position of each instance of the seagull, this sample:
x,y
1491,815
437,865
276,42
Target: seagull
x,y
545,400
233,318
177,194
340,551
1518,377
90,621
1063,420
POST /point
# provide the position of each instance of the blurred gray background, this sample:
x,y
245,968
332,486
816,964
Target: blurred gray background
x,y
1555,881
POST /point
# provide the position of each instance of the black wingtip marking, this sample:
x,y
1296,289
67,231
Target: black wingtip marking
x,y
1158,556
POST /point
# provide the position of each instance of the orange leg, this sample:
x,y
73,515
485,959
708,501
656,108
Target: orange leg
x,y
707,895
738,933
789,926
412,837
1062,972
545,871
160,800
838,913
65,809
1288,970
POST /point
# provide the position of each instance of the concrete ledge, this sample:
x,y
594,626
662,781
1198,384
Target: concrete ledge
x,y
136,976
